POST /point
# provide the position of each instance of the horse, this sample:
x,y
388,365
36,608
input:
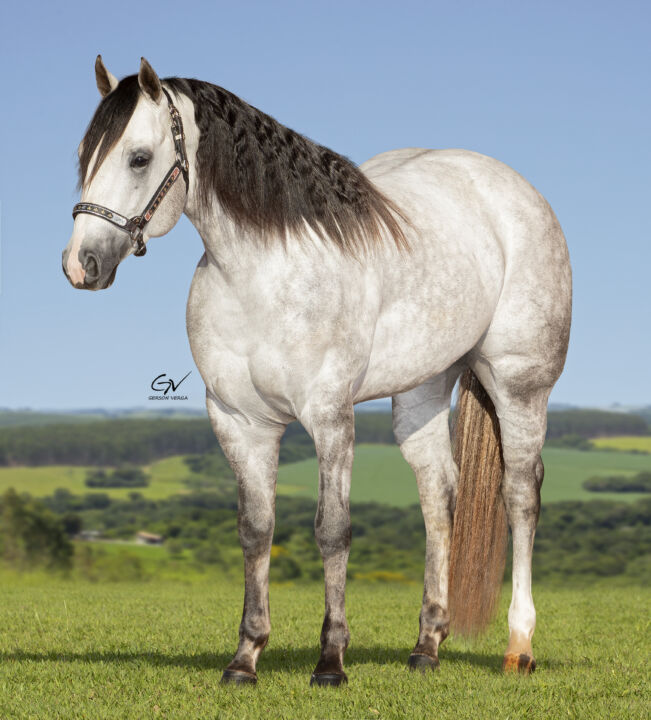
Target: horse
x,y
324,284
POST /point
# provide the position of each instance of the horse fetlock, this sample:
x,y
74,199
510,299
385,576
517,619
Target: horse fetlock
x,y
334,634
430,639
520,636
255,635
434,617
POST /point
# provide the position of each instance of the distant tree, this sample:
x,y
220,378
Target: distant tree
x,y
594,423
104,442
640,483
72,523
575,442
30,535
126,476
96,501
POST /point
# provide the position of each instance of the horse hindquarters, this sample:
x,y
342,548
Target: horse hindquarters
x,y
517,362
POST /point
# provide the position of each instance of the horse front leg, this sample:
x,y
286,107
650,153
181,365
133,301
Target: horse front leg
x,y
333,435
252,451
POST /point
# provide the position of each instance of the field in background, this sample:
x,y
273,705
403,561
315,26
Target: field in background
x,y
156,650
626,442
166,479
380,474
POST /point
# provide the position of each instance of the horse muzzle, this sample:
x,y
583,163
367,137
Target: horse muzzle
x,y
92,271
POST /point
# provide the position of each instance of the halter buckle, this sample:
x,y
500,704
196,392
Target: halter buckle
x,y
136,236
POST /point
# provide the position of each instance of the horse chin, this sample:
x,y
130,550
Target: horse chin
x,y
102,283
110,278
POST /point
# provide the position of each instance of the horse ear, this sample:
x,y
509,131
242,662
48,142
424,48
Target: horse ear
x,y
148,81
106,81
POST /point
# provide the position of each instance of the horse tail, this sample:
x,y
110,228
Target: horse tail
x,y
479,534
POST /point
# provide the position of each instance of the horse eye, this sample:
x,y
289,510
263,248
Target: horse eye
x,y
139,161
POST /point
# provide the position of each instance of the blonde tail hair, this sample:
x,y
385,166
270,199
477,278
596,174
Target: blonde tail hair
x,y
479,535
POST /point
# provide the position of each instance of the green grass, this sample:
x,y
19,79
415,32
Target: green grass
x,y
156,650
565,471
166,479
380,474
625,442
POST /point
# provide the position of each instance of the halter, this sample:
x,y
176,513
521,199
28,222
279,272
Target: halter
x,y
135,225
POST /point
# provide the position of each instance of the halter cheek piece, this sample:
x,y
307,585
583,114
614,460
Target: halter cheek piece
x,y
135,225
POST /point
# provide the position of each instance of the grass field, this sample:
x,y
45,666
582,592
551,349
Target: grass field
x,y
380,474
166,479
625,442
157,650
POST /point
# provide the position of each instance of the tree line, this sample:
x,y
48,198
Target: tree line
x,y
640,483
575,541
141,441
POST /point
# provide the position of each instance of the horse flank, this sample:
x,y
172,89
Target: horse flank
x,y
268,179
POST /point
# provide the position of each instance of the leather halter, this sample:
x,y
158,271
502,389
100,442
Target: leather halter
x,y
135,225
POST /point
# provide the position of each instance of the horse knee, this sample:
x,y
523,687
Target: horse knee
x,y
521,490
332,532
256,528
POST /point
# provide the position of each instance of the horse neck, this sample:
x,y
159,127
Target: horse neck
x,y
227,245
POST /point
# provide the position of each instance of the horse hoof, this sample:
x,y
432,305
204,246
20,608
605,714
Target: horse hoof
x,y
238,677
522,663
423,663
328,679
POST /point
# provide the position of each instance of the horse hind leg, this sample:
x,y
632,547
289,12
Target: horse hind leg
x,y
420,422
521,407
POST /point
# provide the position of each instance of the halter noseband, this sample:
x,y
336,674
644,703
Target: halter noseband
x,y
135,225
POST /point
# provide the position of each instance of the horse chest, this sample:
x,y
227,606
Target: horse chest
x,y
261,345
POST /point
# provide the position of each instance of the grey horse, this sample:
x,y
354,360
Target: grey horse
x,y
324,284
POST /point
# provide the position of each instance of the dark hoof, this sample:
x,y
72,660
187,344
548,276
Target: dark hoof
x,y
238,677
522,663
423,663
328,679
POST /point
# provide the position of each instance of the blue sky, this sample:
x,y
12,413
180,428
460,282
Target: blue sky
x,y
558,90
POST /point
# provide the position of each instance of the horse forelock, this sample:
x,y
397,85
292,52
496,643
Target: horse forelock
x,y
107,126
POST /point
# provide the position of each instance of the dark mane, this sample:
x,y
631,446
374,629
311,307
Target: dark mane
x,y
265,176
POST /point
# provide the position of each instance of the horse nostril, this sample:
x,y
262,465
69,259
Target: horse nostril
x,y
91,266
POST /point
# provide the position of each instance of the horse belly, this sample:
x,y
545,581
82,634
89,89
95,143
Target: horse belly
x,y
412,345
